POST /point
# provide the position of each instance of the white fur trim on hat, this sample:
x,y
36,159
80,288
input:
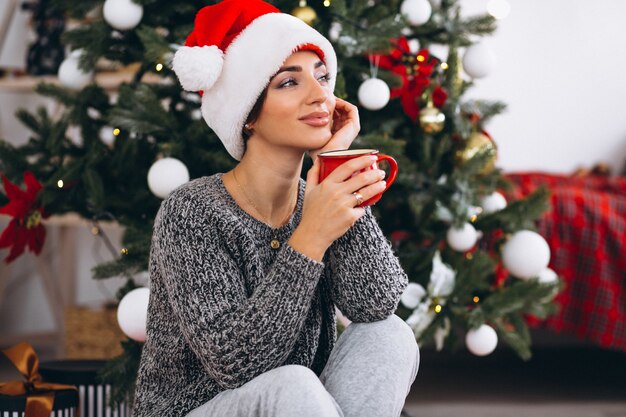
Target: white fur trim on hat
x,y
249,63
198,67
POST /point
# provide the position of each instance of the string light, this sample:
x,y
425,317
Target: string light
x,y
469,256
444,66
327,3
302,3
438,308
95,230
421,58
476,299
116,132
473,218
124,251
60,183
159,67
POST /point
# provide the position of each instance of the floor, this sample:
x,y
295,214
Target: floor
x,y
559,381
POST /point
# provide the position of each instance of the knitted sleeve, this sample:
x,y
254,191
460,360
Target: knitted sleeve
x,y
235,336
366,277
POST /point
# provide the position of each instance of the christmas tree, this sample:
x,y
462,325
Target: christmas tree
x,y
477,268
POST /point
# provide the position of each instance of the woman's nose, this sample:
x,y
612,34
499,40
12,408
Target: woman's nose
x,y
317,92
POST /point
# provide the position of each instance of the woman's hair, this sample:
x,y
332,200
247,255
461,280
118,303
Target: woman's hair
x,y
254,115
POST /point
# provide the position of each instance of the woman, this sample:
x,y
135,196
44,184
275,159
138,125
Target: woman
x,y
247,266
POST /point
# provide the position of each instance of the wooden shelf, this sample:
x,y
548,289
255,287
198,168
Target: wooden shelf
x,y
110,81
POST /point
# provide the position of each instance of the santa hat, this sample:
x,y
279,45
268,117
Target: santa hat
x,y
235,48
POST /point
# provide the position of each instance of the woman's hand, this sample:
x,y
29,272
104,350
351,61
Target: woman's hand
x,y
346,126
330,207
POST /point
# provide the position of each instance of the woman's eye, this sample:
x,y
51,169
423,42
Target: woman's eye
x,y
325,78
286,83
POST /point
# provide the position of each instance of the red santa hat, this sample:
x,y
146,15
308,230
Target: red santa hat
x,y
235,48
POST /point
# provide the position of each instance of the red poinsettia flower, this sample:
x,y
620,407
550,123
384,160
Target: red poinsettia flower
x,y
440,95
25,228
415,71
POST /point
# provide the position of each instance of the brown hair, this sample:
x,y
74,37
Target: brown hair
x,y
254,115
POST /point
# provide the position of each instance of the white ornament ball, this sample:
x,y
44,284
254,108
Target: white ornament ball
x,y
335,31
165,175
493,202
414,46
462,239
481,341
106,135
70,75
374,94
526,254
417,11
132,313
479,60
547,276
412,295
122,14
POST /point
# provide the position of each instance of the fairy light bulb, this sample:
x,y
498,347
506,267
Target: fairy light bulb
x,y
116,131
438,308
60,183
444,66
124,251
159,67
476,299
326,3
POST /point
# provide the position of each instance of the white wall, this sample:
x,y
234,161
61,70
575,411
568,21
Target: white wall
x,y
562,71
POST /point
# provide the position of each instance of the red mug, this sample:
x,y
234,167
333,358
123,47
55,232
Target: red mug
x,y
332,159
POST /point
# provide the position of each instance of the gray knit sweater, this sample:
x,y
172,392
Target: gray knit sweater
x,y
225,307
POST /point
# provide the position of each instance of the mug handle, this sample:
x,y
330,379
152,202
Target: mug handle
x,y
393,169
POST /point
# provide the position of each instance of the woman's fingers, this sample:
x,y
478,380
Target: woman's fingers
x,y
347,169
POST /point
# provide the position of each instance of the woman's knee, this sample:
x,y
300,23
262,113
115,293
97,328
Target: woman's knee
x,y
394,330
297,387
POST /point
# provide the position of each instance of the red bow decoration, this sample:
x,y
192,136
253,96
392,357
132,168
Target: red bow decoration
x,y
25,228
415,71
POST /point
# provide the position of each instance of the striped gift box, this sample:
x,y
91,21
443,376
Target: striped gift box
x,y
65,403
93,396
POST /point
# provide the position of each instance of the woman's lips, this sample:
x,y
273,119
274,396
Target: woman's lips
x,y
316,121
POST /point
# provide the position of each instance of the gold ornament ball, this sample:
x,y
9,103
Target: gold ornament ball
x,y
307,14
479,143
432,120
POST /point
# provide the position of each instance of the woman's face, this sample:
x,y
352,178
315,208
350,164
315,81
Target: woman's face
x,y
298,109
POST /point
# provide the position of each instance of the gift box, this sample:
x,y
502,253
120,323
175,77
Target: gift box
x,y
26,394
93,396
65,404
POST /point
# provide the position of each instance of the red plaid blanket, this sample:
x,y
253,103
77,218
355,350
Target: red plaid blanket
x,y
586,231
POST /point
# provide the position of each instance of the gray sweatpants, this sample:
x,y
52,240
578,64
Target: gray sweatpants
x,y
369,373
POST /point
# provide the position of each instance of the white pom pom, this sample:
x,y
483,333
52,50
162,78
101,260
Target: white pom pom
x,y
478,60
132,313
165,175
493,202
198,67
463,239
122,14
412,295
374,94
417,12
525,254
481,341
